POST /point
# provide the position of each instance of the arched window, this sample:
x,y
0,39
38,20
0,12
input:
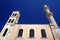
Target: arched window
x,y
11,21
5,32
20,33
14,14
31,33
43,33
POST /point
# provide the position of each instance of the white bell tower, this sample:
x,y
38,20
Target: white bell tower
x,y
13,19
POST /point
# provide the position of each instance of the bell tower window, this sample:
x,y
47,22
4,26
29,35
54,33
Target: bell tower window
x,y
11,21
15,14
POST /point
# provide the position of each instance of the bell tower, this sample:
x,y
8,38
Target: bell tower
x,y
13,19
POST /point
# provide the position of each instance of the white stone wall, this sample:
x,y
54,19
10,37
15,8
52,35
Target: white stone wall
x,y
56,32
26,28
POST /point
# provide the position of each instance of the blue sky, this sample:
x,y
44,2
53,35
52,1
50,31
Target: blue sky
x,y
32,11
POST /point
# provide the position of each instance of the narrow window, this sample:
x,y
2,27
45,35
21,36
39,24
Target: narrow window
x,y
5,32
31,33
43,33
20,33
11,20
15,14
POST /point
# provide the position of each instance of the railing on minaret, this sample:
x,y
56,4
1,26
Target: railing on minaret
x,y
50,16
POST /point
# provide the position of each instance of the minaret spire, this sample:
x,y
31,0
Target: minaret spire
x,y
50,16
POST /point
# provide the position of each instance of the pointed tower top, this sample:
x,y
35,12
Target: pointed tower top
x,y
50,16
48,12
46,6
46,9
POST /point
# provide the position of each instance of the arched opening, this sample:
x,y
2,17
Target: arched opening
x,y
31,33
43,33
20,33
5,32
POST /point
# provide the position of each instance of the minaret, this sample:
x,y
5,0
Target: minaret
x,y
13,19
50,16
54,27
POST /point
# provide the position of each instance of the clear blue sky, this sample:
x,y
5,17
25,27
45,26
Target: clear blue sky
x,y
32,11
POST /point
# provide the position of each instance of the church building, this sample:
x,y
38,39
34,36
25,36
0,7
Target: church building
x,y
14,31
